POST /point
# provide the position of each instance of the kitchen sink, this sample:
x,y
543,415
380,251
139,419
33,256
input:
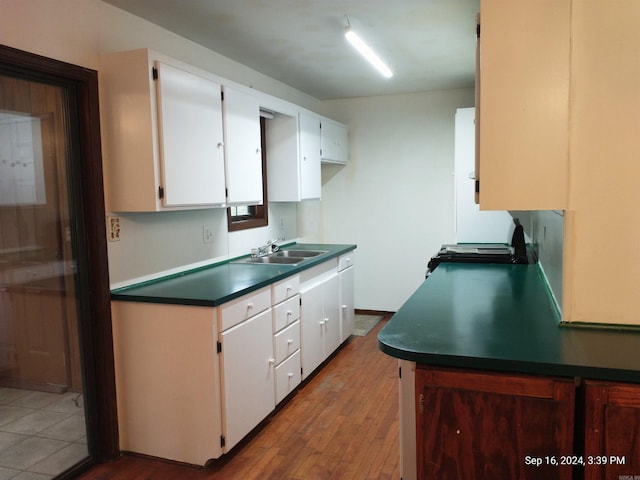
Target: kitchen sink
x,y
271,259
299,253
283,257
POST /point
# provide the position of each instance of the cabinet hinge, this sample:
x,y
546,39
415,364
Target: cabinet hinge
x,y
477,186
399,372
154,73
300,301
222,441
421,403
221,95
218,347
478,30
160,192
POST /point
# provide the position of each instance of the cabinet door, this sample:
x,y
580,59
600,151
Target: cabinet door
x,y
247,372
347,312
484,425
311,328
524,105
243,153
191,138
331,309
333,142
612,430
310,183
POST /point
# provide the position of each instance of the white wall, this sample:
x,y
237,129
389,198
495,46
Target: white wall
x,y
78,31
395,198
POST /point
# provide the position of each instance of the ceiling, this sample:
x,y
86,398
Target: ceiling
x,y
429,44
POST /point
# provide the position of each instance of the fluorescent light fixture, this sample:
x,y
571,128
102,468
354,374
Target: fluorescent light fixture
x,y
367,53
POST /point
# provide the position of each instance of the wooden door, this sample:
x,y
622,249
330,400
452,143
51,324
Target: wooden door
x,y
41,336
38,305
486,426
612,430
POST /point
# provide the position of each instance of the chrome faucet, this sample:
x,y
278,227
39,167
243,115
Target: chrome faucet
x,y
270,247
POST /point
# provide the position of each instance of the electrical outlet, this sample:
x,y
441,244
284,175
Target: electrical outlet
x,y
114,229
207,234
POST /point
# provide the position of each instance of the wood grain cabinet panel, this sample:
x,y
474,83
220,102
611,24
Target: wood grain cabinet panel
x,y
485,426
612,430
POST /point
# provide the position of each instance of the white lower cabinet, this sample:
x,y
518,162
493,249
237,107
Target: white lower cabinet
x,y
288,376
167,380
286,336
247,375
347,310
193,381
320,320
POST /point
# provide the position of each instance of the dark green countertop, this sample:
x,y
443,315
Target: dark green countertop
x,y
214,285
501,317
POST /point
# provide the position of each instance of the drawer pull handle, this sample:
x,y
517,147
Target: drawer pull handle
x,y
272,361
249,305
289,313
344,306
290,341
289,287
290,375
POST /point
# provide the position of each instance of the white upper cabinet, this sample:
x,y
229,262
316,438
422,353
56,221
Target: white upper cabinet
x,y
162,130
243,152
191,140
310,182
334,142
293,157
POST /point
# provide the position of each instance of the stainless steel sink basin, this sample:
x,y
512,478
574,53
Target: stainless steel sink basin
x,y
299,253
287,260
283,257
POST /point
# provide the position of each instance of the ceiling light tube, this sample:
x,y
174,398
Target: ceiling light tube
x,y
367,53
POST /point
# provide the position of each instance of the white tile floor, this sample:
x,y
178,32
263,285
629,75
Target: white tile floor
x,y
41,434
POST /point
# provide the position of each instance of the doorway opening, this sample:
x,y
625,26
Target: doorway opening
x,y
56,363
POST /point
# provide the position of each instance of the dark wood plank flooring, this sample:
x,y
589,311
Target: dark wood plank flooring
x,y
343,424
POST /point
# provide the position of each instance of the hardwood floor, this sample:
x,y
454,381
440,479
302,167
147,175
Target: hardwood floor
x,y
343,424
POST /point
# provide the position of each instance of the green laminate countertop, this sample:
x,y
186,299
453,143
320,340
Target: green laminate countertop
x,y
220,283
501,317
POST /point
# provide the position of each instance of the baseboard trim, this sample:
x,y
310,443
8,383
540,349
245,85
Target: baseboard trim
x,y
382,313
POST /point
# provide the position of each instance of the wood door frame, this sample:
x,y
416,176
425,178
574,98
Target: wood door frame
x,y
87,194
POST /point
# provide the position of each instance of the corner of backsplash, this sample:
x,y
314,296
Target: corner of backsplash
x,y
545,228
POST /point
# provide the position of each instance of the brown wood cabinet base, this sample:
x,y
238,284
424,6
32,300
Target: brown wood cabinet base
x,y
487,425
612,431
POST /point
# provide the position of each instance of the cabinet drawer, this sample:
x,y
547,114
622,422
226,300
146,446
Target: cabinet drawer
x,y
345,261
286,313
287,376
285,289
243,308
286,342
